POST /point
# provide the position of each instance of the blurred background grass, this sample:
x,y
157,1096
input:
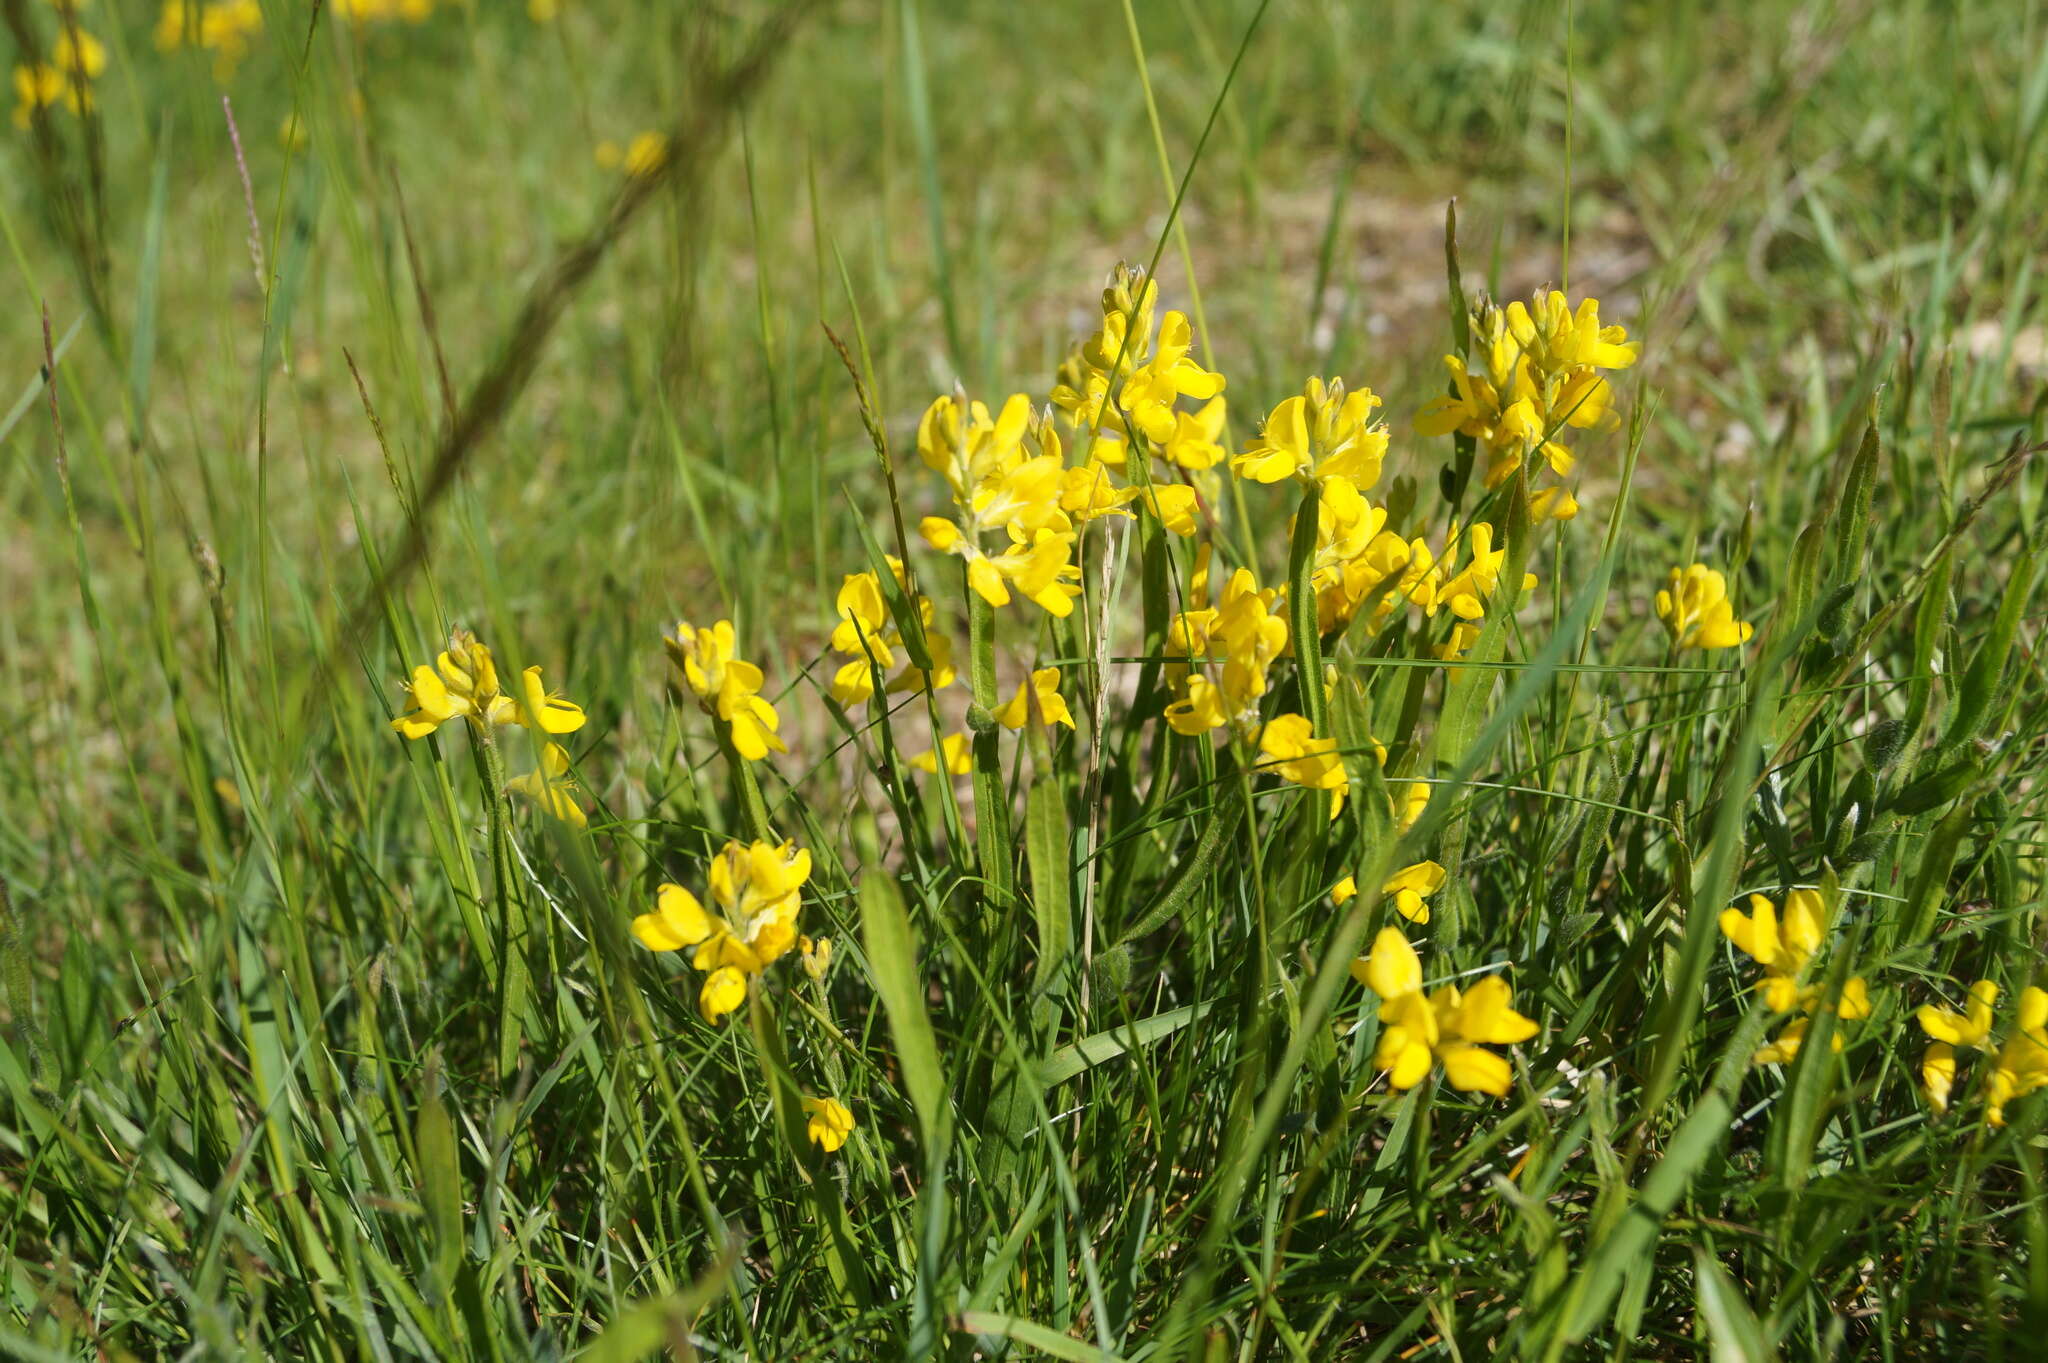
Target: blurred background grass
x,y
1790,202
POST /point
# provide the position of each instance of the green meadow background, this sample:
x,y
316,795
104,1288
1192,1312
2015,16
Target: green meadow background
x,y
432,363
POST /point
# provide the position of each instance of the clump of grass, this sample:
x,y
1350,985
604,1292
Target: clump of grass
x,y
1189,860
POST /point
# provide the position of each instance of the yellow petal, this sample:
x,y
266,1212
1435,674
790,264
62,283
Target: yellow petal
x,y
725,989
1475,1069
1393,968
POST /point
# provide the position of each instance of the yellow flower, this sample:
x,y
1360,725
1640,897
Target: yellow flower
x,y
1150,392
35,88
1324,433
725,685
868,633
1176,505
370,11
1409,804
1696,611
543,710
1464,590
1195,443
1040,699
543,11
645,153
463,684
551,787
1291,749
1785,945
756,894
958,760
223,27
1408,888
725,989
830,1123
1448,1027
2020,1065
1535,370
1413,885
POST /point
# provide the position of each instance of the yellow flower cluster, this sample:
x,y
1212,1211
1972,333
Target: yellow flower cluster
x,y
1129,377
222,27
868,636
1447,1027
1697,613
755,895
76,60
2020,1065
463,684
1538,372
1008,478
1245,632
1785,946
1325,433
726,686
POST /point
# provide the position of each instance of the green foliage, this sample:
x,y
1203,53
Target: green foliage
x,y
314,1045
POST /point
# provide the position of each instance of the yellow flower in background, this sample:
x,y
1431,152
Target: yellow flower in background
x,y
1696,611
222,27
76,60
1327,432
646,153
1409,888
550,786
955,749
830,1123
1290,748
377,11
543,11
1037,699
726,686
35,88
755,895
643,155
1409,804
1448,1027
2020,1065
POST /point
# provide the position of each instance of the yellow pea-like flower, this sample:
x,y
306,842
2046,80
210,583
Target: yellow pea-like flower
x,y
830,1123
551,788
1449,1027
954,749
1697,613
1037,698
755,891
1291,749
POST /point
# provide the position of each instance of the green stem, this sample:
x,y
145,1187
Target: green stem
x,y
991,799
1301,606
512,925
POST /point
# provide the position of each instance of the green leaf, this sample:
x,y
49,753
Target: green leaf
x,y
1035,1336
